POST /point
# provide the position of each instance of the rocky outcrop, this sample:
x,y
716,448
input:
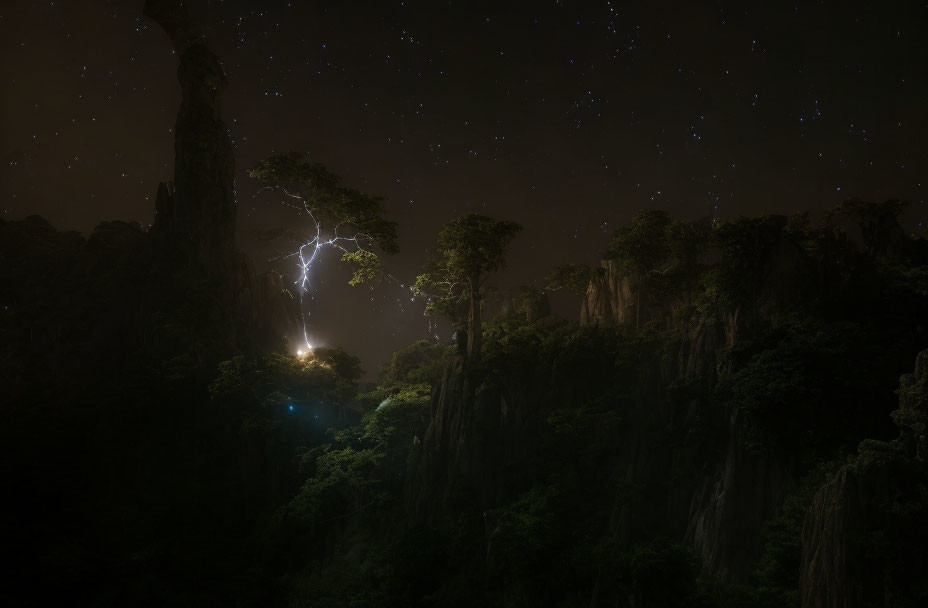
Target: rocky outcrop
x,y
731,504
613,296
269,310
195,221
186,267
459,459
863,537
477,433
912,415
725,500
718,502
829,564
733,496
193,236
610,297
527,302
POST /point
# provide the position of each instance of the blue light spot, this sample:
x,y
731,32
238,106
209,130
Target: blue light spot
x,y
290,407
838,188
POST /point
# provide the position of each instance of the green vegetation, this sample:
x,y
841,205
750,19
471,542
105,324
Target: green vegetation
x,y
468,249
568,465
313,189
571,277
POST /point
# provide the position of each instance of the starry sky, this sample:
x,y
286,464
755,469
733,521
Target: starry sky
x,y
564,116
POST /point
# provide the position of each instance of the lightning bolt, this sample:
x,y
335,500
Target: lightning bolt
x,y
308,253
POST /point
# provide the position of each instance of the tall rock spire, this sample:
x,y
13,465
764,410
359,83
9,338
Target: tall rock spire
x,y
201,229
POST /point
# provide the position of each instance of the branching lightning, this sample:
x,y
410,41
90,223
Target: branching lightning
x,y
308,253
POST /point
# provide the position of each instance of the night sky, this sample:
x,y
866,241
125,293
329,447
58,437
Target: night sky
x,y
564,116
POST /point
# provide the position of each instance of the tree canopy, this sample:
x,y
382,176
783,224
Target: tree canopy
x,y
641,245
327,203
571,277
468,248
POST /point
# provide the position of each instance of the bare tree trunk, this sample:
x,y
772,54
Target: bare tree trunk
x,y
474,327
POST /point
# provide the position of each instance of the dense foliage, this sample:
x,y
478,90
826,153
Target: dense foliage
x,y
171,467
353,216
468,248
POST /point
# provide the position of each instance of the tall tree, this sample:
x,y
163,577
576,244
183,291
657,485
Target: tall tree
x,y
640,247
468,249
345,218
686,246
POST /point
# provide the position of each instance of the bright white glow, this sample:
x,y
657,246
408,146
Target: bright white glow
x,y
309,250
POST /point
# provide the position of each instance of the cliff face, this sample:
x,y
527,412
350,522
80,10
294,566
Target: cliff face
x,y
731,504
473,430
727,499
614,297
864,534
68,303
610,298
193,236
268,310
717,498
480,433
100,294
730,497
196,214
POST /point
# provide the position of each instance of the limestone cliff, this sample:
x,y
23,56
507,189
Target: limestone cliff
x,y
458,458
610,297
482,427
718,498
196,214
193,236
866,528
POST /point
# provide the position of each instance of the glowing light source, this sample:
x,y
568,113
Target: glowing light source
x,y
309,250
291,407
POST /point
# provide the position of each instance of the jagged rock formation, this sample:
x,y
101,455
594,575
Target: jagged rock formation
x,y
196,213
912,415
865,533
458,459
270,309
479,429
725,511
731,504
194,230
529,303
610,298
713,486
76,301
186,269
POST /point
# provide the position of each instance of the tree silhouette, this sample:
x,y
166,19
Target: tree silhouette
x,y
342,218
640,247
333,209
468,248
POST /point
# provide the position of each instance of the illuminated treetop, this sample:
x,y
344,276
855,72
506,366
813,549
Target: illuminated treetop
x,y
344,218
468,248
